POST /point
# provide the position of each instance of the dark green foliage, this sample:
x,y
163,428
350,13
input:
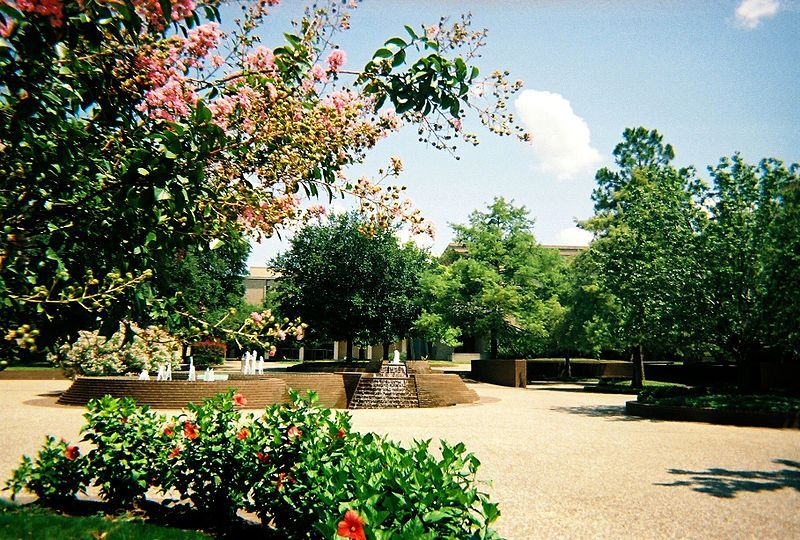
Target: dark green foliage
x,y
346,284
208,353
751,256
722,399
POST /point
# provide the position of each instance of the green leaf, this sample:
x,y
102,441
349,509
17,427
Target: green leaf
x,y
383,53
397,42
215,243
399,58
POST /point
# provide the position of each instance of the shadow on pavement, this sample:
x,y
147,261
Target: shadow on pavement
x,y
612,412
726,484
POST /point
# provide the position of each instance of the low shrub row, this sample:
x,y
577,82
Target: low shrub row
x,y
297,466
722,398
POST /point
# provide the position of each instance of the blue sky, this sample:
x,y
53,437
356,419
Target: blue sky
x,y
714,77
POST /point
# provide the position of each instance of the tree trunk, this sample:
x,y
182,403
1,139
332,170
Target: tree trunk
x,y
409,349
349,352
638,367
493,346
567,367
362,353
385,350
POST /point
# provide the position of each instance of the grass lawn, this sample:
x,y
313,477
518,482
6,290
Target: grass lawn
x,y
647,384
36,522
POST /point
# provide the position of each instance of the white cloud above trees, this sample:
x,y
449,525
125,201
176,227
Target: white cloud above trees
x,y
750,13
561,138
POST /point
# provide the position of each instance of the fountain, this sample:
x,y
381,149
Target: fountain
x,y
389,388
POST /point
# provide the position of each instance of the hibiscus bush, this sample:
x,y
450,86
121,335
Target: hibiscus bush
x,y
206,457
298,466
126,445
56,476
129,349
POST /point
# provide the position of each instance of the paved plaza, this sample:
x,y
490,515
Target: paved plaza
x,y
563,463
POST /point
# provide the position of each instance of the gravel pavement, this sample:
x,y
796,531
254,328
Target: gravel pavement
x,y
563,463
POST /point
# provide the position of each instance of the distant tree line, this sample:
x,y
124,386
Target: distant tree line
x,y
680,268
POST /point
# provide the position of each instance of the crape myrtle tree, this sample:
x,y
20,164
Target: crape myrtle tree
x,y
505,285
346,284
647,223
131,132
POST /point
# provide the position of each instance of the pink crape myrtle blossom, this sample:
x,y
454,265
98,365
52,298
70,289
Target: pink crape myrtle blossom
x,y
318,73
201,39
316,210
261,59
221,110
336,60
170,101
339,100
52,9
181,9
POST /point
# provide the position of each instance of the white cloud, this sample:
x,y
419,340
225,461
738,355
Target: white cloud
x,y
750,12
561,138
573,236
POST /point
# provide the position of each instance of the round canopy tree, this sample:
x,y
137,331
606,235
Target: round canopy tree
x,y
347,283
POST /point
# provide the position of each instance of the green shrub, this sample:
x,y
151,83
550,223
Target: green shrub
x,y
206,457
127,444
208,353
56,476
298,467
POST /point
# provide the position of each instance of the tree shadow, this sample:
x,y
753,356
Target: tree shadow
x,y
727,484
611,412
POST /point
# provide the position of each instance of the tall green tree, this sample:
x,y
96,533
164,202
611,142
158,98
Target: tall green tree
x,y
350,285
646,224
750,252
504,285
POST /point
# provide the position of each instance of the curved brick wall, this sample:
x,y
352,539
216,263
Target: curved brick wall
x,y
260,390
334,389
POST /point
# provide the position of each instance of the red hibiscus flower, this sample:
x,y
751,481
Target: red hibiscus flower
x,y
340,434
71,452
190,430
242,435
352,526
283,478
293,432
262,457
239,399
123,420
168,431
175,452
